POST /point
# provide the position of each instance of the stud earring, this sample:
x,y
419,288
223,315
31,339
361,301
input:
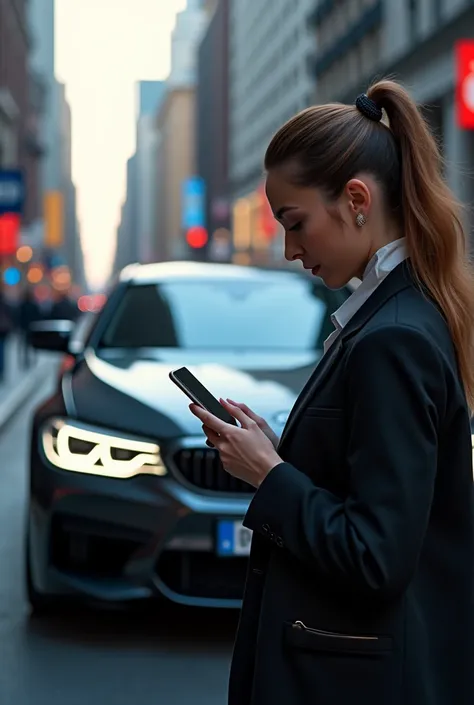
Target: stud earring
x,y
361,219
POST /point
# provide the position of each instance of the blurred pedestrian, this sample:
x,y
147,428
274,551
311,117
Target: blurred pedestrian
x,y
64,308
28,313
6,328
360,587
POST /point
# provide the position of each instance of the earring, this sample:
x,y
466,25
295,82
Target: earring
x,y
361,219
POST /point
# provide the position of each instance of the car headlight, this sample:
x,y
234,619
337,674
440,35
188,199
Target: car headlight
x,y
76,447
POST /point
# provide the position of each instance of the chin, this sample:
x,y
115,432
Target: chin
x,y
333,282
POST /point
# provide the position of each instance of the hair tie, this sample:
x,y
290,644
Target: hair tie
x,y
368,107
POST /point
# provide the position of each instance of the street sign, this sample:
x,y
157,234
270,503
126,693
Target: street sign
x,y
12,191
193,205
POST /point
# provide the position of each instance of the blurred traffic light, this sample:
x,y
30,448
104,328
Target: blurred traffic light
x,y
197,237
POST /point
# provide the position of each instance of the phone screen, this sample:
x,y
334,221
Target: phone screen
x,y
198,393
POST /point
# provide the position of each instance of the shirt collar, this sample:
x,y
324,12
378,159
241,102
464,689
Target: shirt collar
x,y
382,261
381,264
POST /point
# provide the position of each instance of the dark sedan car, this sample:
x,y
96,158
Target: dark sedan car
x,y
126,500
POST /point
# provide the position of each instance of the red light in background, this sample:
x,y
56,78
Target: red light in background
x,y
197,237
465,84
83,304
92,303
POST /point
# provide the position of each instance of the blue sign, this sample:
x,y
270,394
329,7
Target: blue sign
x,y
193,203
12,191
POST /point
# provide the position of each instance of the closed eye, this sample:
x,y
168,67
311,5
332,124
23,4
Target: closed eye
x,y
296,227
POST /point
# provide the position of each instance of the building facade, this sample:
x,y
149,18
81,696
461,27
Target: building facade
x,y
151,220
58,224
71,250
149,97
126,251
348,39
212,129
187,33
412,40
176,125
269,81
20,102
42,58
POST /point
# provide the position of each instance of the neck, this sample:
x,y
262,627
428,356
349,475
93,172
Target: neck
x,y
391,234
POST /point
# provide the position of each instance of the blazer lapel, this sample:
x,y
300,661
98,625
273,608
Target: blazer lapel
x,y
401,278
322,370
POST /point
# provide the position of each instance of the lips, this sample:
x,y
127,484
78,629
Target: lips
x,y
314,270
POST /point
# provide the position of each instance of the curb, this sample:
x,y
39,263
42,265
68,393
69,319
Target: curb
x,y
21,392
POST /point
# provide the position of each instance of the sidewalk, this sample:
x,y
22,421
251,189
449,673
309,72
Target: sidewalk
x,y
20,382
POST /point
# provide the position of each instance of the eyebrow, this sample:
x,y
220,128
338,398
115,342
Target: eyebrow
x,y
279,215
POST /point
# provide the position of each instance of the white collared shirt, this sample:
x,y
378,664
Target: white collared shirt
x,y
382,263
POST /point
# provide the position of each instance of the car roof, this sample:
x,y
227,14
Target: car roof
x,y
139,274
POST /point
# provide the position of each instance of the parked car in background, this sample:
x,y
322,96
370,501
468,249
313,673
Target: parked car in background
x,y
126,500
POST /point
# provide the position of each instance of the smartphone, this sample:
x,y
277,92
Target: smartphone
x,y
198,393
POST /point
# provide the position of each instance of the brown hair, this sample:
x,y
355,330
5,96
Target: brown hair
x,y
330,144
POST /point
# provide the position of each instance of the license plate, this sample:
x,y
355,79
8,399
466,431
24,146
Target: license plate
x,y
233,539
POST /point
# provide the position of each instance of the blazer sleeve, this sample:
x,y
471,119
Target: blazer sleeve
x,y
371,541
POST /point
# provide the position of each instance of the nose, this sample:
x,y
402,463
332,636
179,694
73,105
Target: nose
x,y
292,250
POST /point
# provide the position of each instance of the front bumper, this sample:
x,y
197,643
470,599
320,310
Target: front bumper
x,y
122,540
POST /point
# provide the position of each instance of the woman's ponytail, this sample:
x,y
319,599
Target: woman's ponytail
x,y
432,220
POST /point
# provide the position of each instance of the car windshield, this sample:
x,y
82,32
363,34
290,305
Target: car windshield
x,y
291,314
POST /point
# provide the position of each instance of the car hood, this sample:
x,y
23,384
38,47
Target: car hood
x,y
133,393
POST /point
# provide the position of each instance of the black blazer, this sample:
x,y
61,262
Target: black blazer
x,y
360,588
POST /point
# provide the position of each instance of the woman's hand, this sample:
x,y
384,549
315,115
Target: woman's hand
x,y
246,452
261,423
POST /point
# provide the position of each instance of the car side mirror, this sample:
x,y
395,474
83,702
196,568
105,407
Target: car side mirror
x,y
50,335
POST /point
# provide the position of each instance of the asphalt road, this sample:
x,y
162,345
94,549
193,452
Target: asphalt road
x,y
165,656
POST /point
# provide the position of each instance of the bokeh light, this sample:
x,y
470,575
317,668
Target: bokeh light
x,y
24,253
35,274
92,303
11,276
197,237
61,278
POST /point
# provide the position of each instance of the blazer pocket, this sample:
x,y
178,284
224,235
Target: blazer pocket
x,y
324,412
299,636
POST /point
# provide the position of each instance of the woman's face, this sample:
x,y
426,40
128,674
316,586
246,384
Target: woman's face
x,y
322,234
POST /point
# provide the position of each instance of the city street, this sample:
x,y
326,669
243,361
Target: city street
x,y
148,657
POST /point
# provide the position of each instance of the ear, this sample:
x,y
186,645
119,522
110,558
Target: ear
x,y
358,197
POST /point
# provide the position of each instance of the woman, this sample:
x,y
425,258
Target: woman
x,y
360,587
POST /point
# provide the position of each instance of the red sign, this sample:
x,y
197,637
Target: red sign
x,y
465,84
9,233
